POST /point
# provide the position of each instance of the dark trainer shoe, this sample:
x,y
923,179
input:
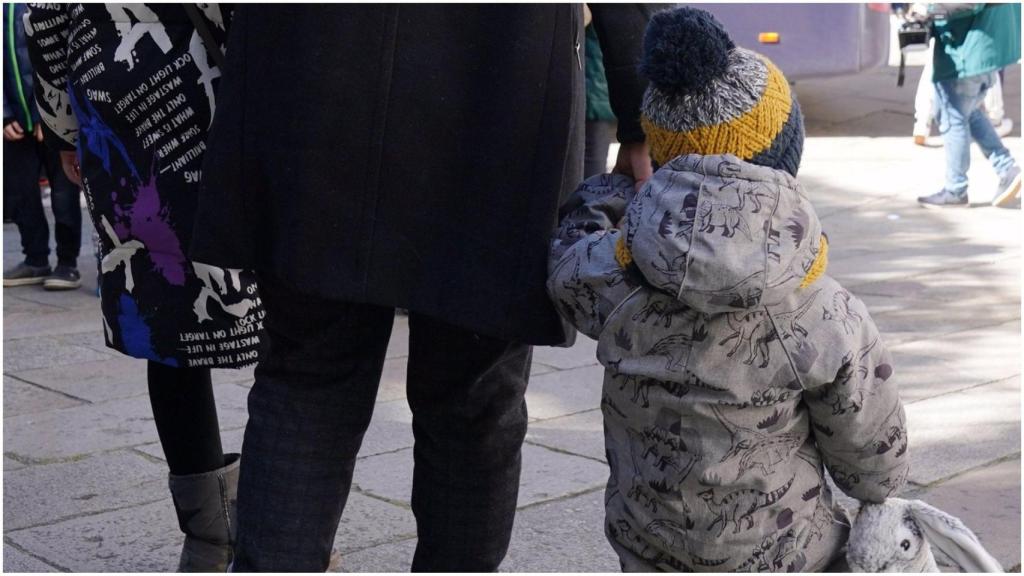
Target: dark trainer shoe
x,y
1009,187
23,275
63,278
943,199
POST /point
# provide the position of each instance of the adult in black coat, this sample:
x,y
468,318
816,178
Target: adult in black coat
x,y
414,156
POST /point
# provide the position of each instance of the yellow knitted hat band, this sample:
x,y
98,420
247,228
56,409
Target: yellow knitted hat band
x,y
746,136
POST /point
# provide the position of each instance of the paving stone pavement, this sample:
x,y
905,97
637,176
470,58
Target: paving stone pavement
x,y
85,483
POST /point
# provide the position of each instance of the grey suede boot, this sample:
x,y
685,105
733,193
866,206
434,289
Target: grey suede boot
x,y
205,504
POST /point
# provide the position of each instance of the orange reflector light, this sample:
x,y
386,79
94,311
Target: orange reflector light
x,y
768,37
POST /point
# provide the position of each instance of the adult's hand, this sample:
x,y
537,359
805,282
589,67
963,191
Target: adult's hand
x,y
634,160
69,161
13,131
39,132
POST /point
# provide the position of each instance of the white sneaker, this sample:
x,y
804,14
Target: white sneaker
x,y
1009,187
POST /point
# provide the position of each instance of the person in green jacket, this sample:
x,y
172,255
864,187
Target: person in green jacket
x,y
972,43
601,120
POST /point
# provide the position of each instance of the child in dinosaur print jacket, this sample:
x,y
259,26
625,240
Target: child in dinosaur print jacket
x,y
736,368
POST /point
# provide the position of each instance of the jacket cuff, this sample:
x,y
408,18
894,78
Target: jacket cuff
x,y
630,133
627,95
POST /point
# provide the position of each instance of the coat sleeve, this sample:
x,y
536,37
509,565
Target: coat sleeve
x,y
858,417
585,279
47,28
8,110
620,30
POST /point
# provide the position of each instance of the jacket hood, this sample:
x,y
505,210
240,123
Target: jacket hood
x,y
724,235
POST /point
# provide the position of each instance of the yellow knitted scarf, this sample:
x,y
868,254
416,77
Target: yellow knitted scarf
x,y
819,264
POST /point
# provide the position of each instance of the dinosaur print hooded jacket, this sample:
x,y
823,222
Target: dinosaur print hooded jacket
x,y
736,370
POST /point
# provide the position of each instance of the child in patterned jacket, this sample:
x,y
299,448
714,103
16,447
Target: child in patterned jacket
x,y
736,368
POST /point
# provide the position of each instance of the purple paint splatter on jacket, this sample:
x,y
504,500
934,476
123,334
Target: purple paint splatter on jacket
x,y
146,219
149,223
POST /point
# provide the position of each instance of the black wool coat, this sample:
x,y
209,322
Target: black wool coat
x,y
408,155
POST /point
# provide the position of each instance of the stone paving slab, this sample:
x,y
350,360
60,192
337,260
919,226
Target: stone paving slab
x,y
537,368
546,475
580,434
840,110
98,381
368,522
70,432
990,353
987,428
11,464
237,375
392,380
582,353
877,267
230,441
565,392
391,557
833,204
390,429
43,495
873,123
26,324
93,340
24,398
562,536
81,299
990,285
992,513
921,377
899,224
45,351
138,539
15,305
398,345
902,320
17,561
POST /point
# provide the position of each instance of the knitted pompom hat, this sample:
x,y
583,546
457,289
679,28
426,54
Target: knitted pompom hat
x,y
708,96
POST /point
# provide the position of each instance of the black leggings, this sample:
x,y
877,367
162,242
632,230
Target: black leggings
x,y
186,418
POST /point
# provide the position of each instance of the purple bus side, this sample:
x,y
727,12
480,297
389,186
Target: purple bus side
x,y
815,39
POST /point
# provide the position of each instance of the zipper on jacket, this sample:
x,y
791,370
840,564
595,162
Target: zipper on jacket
x,y
17,72
579,61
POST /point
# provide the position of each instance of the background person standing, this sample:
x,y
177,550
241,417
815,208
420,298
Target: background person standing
x,y
600,127
25,154
420,164
132,87
971,45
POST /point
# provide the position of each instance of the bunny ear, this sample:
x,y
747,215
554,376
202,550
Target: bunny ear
x,y
953,538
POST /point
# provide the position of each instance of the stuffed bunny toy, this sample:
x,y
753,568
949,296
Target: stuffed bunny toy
x,y
897,535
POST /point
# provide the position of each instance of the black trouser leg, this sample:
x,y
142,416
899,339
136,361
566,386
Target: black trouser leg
x,y
186,418
467,394
67,211
22,162
315,388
